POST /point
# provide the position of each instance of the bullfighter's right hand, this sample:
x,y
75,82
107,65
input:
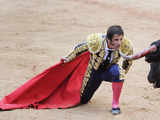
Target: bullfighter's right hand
x,y
64,60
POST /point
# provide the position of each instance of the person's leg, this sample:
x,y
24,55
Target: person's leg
x,y
92,85
113,75
116,88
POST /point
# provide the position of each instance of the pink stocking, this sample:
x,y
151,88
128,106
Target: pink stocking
x,y
116,87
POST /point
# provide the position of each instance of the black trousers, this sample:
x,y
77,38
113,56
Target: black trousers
x,y
92,85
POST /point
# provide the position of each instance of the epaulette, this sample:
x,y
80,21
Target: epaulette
x,y
126,45
95,41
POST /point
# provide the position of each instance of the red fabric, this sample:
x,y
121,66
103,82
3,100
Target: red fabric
x,y
57,87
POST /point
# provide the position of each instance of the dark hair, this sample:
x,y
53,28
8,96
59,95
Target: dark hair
x,y
112,30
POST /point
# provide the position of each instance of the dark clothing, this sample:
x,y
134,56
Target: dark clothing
x,y
111,74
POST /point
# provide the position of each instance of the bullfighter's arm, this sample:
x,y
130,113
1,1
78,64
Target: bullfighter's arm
x,y
126,49
80,48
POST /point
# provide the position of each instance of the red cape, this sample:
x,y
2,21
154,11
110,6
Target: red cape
x,y
57,87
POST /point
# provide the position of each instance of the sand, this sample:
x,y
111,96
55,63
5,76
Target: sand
x,y
34,35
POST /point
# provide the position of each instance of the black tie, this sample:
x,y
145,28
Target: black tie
x,y
106,62
109,56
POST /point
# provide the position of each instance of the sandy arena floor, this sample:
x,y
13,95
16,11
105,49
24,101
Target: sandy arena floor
x,y
36,34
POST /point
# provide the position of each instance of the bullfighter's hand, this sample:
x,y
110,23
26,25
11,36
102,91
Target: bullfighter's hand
x,y
64,60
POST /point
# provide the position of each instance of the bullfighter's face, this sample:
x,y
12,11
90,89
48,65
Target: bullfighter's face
x,y
116,42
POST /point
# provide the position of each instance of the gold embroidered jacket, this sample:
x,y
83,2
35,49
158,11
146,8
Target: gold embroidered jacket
x,y
96,44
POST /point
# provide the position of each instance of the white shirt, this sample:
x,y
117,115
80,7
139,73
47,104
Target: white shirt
x,y
106,53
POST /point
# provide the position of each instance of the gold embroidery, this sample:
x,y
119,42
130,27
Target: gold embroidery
x,y
76,51
86,78
95,60
96,65
94,42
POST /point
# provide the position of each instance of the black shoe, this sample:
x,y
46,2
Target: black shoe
x,y
116,111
